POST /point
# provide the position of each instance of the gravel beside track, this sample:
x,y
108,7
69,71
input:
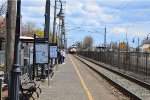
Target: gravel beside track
x,y
131,88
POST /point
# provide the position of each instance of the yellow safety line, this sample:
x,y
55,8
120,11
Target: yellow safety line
x,y
82,81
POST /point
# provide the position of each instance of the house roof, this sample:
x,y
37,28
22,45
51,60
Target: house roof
x,y
22,38
145,46
25,37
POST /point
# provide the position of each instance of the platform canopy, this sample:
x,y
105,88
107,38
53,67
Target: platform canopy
x,y
26,39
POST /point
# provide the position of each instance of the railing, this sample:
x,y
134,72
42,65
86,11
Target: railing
x,y
137,62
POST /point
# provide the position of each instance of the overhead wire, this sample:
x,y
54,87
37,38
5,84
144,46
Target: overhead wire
x,y
141,19
85,17
144,18
122,6
90,4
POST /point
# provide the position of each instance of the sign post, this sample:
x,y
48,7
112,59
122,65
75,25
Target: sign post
x,y
121,45
53,51
40,53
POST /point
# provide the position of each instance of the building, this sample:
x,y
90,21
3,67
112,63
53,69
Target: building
x,y
145,47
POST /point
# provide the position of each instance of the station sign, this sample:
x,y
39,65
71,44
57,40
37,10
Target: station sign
x,y
41,53
53,51
40,50
122,45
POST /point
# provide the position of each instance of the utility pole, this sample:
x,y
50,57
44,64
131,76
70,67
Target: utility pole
x,y
46,31
127,39
105,40
47,19
59,35
63,33
61,17
10,34
54,23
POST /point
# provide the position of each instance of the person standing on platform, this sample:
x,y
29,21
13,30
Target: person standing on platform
x,y
63,56
59,57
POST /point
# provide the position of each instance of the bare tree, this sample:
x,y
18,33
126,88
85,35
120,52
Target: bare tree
x,y
79,45
88,42
113,46
3,8
2,27
2,20
28,29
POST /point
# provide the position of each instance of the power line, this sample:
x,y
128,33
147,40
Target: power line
x,y
85,17
144,18
130,2
121,6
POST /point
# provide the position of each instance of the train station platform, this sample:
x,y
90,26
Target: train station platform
x,y
73,81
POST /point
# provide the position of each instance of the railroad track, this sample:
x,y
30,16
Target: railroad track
x,y
132,87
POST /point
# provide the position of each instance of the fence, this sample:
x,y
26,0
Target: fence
x,y
137,62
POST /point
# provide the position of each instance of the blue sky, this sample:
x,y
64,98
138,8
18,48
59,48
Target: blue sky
x,y
89,15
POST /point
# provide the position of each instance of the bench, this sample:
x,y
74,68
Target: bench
x,y
3,87
28,87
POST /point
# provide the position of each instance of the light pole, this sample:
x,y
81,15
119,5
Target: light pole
x,y
15,72
57,35
137,60
147,36
138,42
118,43
127,35
105,40
61,16
125,44
127,31
54,22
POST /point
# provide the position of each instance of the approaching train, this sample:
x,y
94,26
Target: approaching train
x,y
72,49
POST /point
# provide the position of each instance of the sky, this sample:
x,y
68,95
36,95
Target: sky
x,y
120,17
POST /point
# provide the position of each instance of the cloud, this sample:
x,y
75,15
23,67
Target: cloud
x,y
35,3
119,30
96,13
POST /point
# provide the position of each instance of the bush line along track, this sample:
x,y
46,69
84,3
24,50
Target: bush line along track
x,y
135,89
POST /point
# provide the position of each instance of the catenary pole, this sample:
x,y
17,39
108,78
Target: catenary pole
x,y
54,22
105,40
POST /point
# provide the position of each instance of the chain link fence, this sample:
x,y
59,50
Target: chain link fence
x,y
137,62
